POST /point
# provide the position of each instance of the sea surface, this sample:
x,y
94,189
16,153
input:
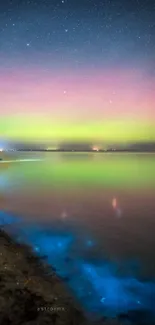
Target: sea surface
x,y
93,216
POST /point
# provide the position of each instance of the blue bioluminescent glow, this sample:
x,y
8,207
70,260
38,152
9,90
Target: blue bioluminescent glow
x,y
97,285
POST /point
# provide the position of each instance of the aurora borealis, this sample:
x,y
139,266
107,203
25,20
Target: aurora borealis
x,y
80,72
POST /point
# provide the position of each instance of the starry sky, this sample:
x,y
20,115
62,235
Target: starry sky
x,y
77,70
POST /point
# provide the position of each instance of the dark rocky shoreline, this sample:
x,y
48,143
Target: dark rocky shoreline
x,y
30,294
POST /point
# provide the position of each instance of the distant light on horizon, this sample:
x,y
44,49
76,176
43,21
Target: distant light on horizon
x,y
52,148
95,149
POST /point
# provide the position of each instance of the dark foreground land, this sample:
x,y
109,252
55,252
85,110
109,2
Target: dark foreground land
x,y
30,294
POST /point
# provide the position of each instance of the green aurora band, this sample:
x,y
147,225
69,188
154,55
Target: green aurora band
x,y
44,129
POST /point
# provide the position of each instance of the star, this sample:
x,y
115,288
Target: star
x,y
28,44
66,30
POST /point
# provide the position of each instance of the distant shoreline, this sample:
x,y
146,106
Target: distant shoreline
x,y
84,151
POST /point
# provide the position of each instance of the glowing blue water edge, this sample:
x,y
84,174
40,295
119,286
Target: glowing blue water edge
x,y
95,283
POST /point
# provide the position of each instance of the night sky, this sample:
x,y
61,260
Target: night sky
x,y
77,70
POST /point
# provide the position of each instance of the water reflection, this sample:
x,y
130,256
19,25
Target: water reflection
x,y
72,212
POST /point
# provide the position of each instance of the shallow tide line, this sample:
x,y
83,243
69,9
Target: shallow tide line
x,y
19,160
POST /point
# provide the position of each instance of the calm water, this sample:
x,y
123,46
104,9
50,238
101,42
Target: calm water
x,y
99,211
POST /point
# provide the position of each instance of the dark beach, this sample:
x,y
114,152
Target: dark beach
x,y
29,292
